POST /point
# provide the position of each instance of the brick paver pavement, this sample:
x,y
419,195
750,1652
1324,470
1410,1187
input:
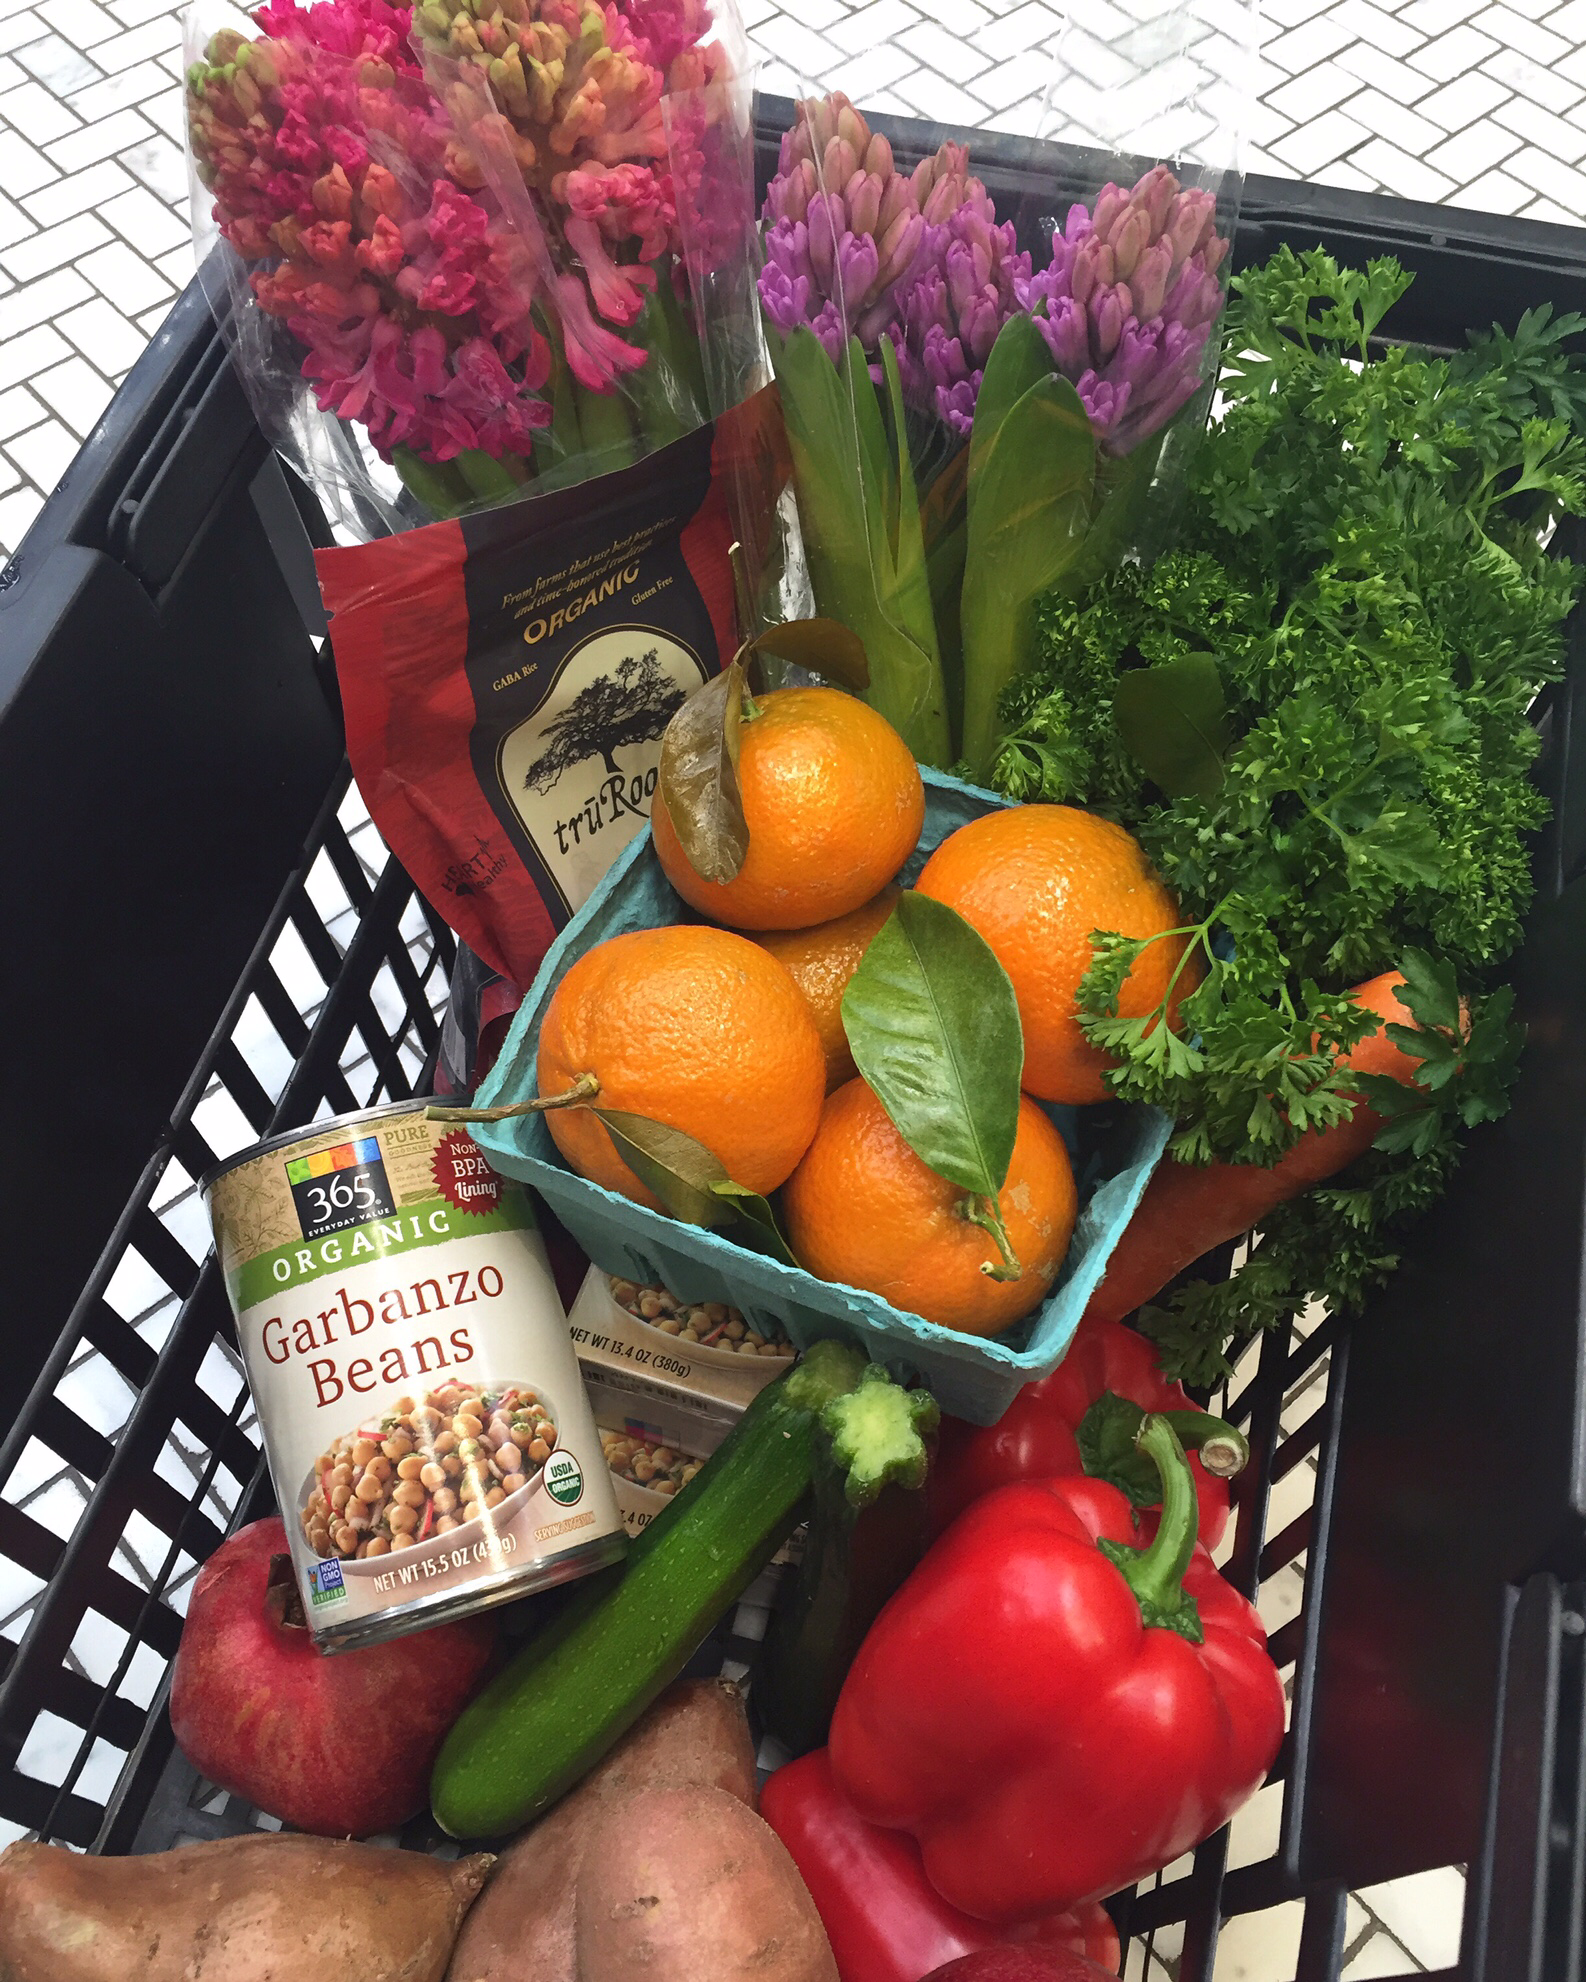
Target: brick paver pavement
x,y
1475,102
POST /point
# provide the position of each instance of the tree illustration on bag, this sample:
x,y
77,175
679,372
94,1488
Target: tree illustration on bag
x,y
615,711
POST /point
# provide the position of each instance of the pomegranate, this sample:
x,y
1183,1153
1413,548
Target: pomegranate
x,y
340,1746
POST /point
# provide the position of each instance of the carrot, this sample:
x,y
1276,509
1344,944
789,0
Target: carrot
x,y
1189,1208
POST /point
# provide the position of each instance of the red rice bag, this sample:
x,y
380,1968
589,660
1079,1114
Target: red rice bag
x,y
506,677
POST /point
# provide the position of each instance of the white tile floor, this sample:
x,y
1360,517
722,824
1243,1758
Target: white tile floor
x,y
1473,102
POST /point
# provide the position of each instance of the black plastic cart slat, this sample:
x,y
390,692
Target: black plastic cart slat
x,y
1321,1952
126,1351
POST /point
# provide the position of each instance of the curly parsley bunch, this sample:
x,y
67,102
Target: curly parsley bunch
x,y
1314,716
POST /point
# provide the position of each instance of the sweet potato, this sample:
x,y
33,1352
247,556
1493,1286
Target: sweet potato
x,y
692,1886
522,1930
241,1909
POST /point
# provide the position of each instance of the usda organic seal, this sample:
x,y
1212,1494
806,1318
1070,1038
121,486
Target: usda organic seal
x,y
564,1478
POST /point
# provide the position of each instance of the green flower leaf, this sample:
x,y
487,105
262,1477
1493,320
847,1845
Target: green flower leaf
x,y
934,1028
698,780
863,542
1173,720
1031,480
1019,360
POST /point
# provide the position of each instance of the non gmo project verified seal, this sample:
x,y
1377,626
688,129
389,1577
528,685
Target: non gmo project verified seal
x,y
325,1585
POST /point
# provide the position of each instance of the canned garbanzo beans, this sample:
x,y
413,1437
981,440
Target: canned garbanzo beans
x,y
428,1434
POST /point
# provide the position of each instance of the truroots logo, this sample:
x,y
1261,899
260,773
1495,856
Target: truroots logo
x,y
631,706
581,772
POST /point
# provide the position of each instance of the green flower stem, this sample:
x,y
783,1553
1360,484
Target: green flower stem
x,y
607,429
488,480
437,484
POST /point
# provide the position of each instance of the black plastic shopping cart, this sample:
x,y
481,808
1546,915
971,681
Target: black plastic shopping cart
x,y
207,941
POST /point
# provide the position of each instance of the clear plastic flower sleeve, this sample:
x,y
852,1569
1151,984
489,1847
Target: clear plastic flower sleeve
x,y
987,395
445,247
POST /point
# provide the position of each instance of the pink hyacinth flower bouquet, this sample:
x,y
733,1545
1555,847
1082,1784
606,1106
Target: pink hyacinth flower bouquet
x,y
461,231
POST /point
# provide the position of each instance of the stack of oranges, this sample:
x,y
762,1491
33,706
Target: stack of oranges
x,y
733,1034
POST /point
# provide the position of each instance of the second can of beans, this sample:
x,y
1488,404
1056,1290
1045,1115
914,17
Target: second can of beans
x,y
428,1435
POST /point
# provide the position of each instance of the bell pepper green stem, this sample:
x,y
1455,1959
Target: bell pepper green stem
x,y
1224,1449
1108,1447
1156,1572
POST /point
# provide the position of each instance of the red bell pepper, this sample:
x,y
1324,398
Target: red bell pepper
x,y
1037,1437
885,1920
1053,1712
1026,1963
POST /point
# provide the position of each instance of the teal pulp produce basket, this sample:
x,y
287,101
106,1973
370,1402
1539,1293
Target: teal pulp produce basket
x,y
1115,1149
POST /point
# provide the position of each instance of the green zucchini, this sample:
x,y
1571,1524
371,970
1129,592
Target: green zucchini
x,y
561,1704
854,1560
862,1543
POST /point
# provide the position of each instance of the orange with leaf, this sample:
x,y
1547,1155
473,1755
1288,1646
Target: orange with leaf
x,y
831,804
1037,881
691,1028
864,1209
698,1071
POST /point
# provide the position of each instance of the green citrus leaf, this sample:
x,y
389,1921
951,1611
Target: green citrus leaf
x,y
678,1169
823,646
698,779
752,1222
692,1184
934,1028
1173,720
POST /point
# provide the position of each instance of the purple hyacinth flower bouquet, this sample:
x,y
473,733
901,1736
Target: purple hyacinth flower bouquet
x,y
890,298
